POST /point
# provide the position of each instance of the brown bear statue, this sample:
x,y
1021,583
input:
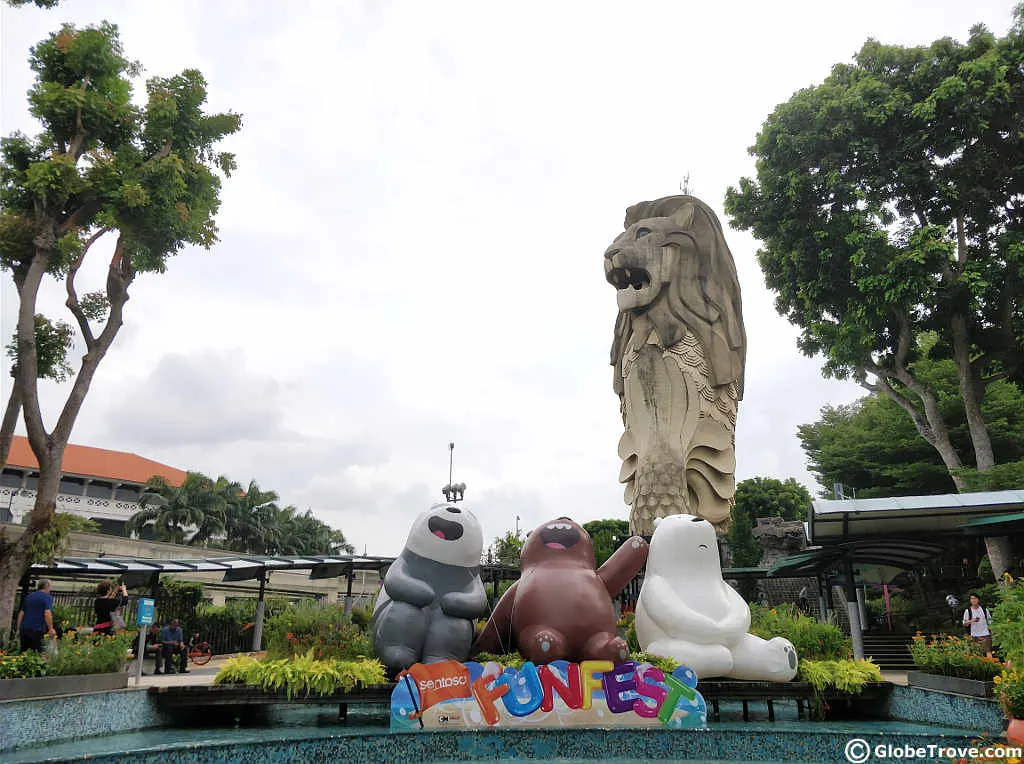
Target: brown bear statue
x,y
561,608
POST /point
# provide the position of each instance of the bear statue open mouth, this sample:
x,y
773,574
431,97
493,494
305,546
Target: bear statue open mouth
x,y
445,530
624,278
559,535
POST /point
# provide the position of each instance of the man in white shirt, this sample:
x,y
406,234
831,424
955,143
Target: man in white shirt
x,y
977,618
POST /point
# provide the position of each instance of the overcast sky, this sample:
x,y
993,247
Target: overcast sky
x,y
411,248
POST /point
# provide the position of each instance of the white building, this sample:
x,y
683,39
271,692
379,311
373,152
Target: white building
x,y
95,483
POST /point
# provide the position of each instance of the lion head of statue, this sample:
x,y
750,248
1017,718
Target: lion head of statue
x,y
673,273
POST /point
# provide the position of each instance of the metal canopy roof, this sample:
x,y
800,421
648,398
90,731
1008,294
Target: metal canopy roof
x,y
896,553
238,568
851,519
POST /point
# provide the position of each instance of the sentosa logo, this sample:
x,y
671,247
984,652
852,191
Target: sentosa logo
x,y
445,681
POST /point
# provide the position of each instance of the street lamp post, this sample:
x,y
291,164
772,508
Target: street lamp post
x,y
453,492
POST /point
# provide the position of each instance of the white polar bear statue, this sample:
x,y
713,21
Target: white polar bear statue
x,y
688,613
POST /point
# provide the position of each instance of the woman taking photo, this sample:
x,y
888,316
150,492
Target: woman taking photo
x,y
106,603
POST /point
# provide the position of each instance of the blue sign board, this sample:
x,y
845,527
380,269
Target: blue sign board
x,y
147,609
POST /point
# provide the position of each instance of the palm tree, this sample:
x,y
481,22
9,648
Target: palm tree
x,y
248,519
166,508
192,513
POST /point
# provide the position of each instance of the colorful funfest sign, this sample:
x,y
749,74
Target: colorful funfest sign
x,y
451,695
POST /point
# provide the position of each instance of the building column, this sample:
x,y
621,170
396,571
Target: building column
x,y
257,629
822,603
349,576
853,612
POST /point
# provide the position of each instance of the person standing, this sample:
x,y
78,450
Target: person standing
x,y
106,603
35,617
173,640
977,618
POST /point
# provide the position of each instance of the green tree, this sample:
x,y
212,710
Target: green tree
x,y
888,201
189,513
507,548
293,533
54,541
102,166
250,519
607,536
769,497
873,447
54,340
746,552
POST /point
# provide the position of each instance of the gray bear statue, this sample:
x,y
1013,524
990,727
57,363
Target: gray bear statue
x,y
432,593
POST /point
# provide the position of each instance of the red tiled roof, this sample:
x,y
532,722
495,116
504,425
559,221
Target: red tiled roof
x,y
97,463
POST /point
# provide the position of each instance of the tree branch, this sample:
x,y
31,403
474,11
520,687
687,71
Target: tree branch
x,y
10,419
72,301
961,242
905,339
885,387
28,360
119,276
75,147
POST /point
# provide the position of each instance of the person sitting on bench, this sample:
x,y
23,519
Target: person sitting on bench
x,y
154,647
173,643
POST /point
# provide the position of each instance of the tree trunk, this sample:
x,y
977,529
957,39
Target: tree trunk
x,y
15,560
972,393
10,420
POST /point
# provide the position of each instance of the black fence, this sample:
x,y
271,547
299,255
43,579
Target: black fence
x,y
226,630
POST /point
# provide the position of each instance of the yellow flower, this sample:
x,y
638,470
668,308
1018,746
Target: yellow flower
x,y
1013,760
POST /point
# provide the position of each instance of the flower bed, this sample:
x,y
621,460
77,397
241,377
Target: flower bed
x,y
946,655
69,656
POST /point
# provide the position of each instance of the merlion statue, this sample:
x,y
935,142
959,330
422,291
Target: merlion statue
x,y
678,353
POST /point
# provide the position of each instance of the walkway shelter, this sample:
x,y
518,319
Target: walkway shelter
x,y
893,534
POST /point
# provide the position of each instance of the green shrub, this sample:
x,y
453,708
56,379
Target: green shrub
x,y
361,617
953,656
843,675
21,665
325,630
627,622
1010,693
665,664
98,654
812,640
303,675
1008,621
509,660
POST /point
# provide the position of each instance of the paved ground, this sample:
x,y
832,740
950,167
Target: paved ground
x,y
896,677
195,675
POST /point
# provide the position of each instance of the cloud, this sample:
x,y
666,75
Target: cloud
x,y
411,249
203,399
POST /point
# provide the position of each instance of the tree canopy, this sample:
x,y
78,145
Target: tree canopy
x,y
507,549
889,203
607,536
872,447
145,177
769,497
222,514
